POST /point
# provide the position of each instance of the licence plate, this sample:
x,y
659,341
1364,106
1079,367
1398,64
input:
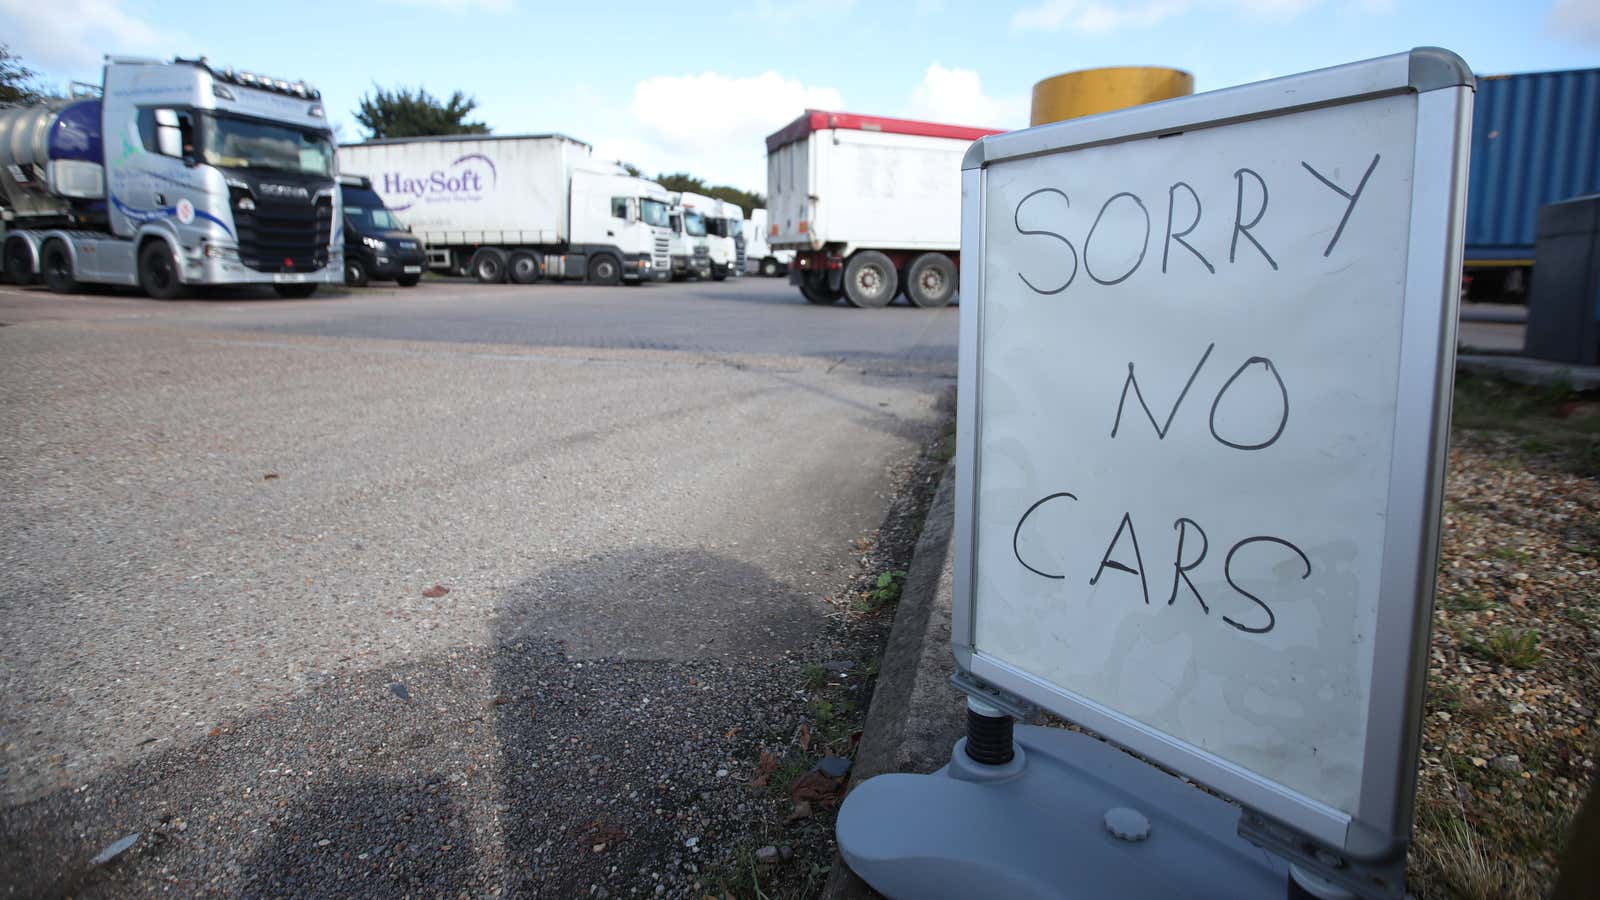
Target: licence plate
x,y
411,270
288,278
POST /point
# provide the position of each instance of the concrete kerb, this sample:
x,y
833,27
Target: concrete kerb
x,y
1532,371
916,716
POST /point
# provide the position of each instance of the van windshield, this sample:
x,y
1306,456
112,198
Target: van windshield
x,y
694,224
652,212
235,143
367,213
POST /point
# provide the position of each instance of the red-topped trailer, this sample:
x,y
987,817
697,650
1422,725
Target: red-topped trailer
x,y
870,205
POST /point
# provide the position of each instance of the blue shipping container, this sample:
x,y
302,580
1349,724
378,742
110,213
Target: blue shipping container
x,y
1535,140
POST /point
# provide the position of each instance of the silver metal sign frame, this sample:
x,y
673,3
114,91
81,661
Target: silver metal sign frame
x,y
1379,827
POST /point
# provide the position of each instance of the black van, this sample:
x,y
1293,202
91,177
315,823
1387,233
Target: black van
x,y
376,245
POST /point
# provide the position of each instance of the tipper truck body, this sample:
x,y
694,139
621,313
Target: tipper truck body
x,y
519,207
870,205
179,175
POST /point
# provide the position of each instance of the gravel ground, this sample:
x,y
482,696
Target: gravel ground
x,y
1509,744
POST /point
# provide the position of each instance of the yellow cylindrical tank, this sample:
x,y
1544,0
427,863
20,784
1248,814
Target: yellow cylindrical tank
x,y
1090,91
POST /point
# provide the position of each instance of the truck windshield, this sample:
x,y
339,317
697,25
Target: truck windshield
x,y
367,212
234,143
653,212
695,224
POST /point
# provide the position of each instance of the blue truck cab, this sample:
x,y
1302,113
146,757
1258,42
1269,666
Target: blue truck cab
x,y
377,245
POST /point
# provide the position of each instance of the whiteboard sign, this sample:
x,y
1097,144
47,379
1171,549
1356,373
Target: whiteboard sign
x,y
1205,369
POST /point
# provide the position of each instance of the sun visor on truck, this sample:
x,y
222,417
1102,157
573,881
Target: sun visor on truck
x,y
76,133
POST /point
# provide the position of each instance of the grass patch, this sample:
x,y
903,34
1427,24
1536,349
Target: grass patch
x,y
1514,647
1546,419
1467,601
816,676
1449,849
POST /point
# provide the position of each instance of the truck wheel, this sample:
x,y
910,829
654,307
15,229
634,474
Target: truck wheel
x,y
18,262
870,280
818,294
769,268
604,269
931,281
488,265
408,280
719,274
355,272
295,291
158,272
57,266
524,267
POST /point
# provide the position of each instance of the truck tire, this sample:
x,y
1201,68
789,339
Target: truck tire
x,y
769,267
523,267
604,269
18,262
355,272
56,263
818,294
488,265
295,291
719,274
870,280
159,273
931,281
408,280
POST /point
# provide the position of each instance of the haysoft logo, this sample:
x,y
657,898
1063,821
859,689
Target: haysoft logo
x,y
468,178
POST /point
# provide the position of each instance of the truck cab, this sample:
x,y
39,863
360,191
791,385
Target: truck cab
x,y
179,175
377,246
717,238
691,252
728,223
618,220
760,257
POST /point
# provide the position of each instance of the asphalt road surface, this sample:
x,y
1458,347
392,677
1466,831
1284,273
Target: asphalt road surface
x,y
454,587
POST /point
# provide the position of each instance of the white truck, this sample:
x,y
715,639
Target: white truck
x,y
727,222
520,207
870,205
760,256
691,248
721,249
179,175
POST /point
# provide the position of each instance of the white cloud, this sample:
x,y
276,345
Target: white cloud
x,y
73,35
956,96
1101,16
1575,20
711,125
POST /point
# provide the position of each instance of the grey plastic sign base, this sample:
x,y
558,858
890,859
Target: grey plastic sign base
x,y
1038,827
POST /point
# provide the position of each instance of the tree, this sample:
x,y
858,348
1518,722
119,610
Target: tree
x,y
18,83
683,181
402,112
631,169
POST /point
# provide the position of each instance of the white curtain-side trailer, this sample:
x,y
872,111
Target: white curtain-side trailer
x,y
519,207
870,205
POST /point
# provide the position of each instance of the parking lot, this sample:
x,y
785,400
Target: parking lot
x,y
452,566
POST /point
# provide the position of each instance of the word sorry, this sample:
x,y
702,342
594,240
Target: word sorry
x,y
1244,224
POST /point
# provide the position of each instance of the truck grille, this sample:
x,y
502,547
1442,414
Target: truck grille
x,y
738,254
663,254
701,251
285,237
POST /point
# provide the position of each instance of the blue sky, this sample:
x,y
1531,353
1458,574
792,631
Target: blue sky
x,y
695,86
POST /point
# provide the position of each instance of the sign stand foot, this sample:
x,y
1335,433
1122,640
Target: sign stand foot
x,y
1064,816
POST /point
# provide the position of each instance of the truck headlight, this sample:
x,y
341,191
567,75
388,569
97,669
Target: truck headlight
x,y
375,244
